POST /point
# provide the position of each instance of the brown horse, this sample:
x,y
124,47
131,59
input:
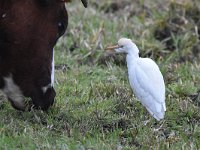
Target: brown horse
x,y
29,30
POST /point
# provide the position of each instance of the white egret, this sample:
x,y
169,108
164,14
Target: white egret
x,y
145,78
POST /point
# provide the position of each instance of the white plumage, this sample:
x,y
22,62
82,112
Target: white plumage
x,y
145,78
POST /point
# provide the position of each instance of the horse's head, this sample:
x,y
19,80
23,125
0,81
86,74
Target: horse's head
x,y
29,30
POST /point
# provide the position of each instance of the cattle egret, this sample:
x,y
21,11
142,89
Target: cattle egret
x,y
145,78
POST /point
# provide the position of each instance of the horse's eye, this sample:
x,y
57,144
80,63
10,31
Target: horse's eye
x,y
61,28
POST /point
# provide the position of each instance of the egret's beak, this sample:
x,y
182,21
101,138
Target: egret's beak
x,y
112,48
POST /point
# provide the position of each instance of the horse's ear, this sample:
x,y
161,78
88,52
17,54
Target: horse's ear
x,y
85,3
45,2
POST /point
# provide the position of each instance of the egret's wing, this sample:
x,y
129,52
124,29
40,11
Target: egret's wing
x,y
151,80
149,86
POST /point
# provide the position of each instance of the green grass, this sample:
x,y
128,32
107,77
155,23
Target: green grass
x,y
95,107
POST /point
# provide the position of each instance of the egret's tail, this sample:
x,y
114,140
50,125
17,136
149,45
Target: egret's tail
x,y
158,115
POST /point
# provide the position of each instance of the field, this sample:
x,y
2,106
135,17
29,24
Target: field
x,y
95,108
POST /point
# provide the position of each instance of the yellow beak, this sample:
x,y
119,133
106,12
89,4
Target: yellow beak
x,y
112,48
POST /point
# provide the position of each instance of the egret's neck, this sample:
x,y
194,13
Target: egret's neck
x,y
131,58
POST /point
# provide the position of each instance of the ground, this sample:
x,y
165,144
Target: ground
x,y
95,108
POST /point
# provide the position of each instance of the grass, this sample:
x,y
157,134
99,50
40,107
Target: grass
x,y
95,107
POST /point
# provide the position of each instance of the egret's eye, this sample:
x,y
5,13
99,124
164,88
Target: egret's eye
x,y
120,46
61,28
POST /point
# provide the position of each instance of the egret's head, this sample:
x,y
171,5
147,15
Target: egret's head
x,y
124,45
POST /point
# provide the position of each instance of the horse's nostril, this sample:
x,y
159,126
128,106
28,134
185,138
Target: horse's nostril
x,y
44,100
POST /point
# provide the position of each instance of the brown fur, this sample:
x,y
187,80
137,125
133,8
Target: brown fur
x,y
28,32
